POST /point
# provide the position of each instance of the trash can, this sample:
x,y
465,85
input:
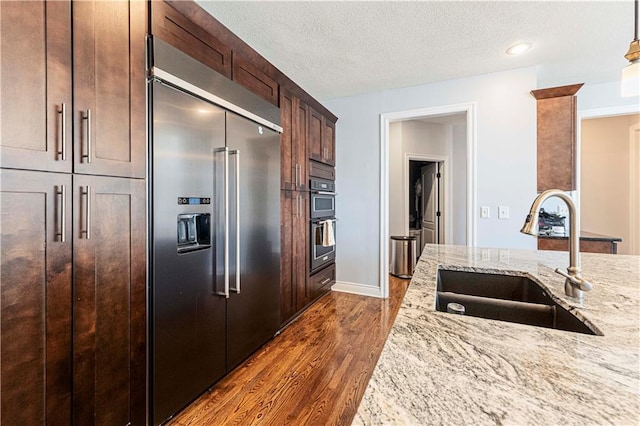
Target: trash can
x,y
403,256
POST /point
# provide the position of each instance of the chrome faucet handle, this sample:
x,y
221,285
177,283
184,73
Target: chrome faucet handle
x,y
576,281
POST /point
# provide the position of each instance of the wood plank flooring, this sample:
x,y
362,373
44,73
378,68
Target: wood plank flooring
x,y
314,373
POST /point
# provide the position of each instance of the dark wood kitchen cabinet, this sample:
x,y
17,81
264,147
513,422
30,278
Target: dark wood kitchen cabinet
x,y
109,301
35,82
35,280
321,281
251,77
557,143
293,143
109,87
329,142
294,293
41,246
321,144
194,40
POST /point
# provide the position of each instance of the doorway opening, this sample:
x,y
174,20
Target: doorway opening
x,y
609,170
446,138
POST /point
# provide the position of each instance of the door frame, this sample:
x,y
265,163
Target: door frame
x,y
447,235
385,120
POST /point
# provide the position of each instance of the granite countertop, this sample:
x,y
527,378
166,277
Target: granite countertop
x,y
585,235
439,368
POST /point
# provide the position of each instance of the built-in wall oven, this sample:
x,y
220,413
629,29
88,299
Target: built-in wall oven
x,y
323,245
323,223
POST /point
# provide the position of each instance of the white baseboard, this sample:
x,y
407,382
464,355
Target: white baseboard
x,y
355,288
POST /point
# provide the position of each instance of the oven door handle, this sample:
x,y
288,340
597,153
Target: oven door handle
x,y
324,193
316,221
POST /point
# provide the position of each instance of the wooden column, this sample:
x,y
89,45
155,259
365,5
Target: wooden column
x,y
557,137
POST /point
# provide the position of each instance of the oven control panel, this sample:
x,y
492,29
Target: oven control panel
x,y
322,185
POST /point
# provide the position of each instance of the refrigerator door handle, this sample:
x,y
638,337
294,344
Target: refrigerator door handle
x,y
236,153
225,202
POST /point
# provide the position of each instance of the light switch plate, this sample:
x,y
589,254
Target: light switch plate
x,y
503,212
484,211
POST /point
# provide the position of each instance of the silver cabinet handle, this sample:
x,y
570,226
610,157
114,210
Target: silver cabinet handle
x,y
62,114
87,213
236,153
87,116
297,176
297,205
63,214
325,281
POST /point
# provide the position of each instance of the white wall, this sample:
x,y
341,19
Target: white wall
x,y
506,168
414,137
604,95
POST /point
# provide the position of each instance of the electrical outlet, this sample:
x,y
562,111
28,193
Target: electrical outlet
x,y
503,212
485,211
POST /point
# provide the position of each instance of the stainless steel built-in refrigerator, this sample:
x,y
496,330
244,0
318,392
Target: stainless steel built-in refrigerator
x,y
215,227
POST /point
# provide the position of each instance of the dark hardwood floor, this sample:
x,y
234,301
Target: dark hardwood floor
x,y
315,372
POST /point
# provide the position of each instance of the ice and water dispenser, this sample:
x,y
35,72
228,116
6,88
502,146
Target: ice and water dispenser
x,y
194,229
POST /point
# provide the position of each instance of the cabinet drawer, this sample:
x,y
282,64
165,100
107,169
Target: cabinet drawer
x,y
177,30
322,171
322,281
250,77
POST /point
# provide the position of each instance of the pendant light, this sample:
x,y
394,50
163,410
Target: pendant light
x,y
631,73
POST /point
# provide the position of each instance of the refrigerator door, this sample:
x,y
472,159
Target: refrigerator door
x,y
188,332
253,308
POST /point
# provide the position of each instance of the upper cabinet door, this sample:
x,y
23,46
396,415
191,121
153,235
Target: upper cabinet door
x,y
182,33
249,76
109,87
315,135
35,83
329,142
300,137
35,281
288,169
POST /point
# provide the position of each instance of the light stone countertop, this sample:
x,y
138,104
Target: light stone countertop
x,y
439,368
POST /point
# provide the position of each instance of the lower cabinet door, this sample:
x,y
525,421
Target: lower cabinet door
x,y
35,281
294,222
301,229
109,300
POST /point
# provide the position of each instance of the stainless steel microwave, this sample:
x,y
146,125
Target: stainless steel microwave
x,y
323,198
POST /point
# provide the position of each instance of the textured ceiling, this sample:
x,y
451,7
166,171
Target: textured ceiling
x,y
343,48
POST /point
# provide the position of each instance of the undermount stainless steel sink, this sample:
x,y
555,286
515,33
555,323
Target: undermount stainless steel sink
x,y
517,299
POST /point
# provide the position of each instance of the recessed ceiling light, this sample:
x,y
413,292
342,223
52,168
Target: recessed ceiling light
x,y
518,48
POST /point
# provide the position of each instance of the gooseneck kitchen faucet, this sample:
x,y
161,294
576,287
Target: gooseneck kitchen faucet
x,y
574,285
